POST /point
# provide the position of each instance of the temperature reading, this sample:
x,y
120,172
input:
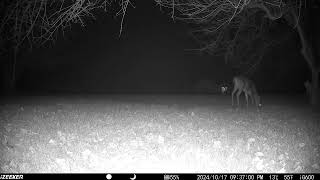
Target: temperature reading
x,y
287,177
273,177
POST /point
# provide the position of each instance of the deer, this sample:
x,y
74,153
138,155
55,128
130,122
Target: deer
x,y
247,86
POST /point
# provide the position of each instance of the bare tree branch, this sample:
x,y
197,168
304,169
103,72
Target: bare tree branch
x,y
38,21
235,29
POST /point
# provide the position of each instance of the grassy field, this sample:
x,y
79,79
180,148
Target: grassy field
x,y
157,133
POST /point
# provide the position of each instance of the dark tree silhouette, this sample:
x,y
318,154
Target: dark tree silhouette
x,y
238,29
35,22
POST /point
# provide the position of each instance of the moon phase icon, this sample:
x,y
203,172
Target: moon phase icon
x,y
134,177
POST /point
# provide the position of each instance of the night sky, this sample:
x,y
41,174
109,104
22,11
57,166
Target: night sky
x,y
149,56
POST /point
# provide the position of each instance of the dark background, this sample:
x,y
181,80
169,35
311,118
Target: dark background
x,y
149,56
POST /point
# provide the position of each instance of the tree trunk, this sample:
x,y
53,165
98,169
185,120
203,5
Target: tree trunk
x,y
314,100
9,73
309,56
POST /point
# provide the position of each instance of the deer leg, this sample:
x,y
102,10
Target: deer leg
x,y
234,90
238,94
250,98
247,100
